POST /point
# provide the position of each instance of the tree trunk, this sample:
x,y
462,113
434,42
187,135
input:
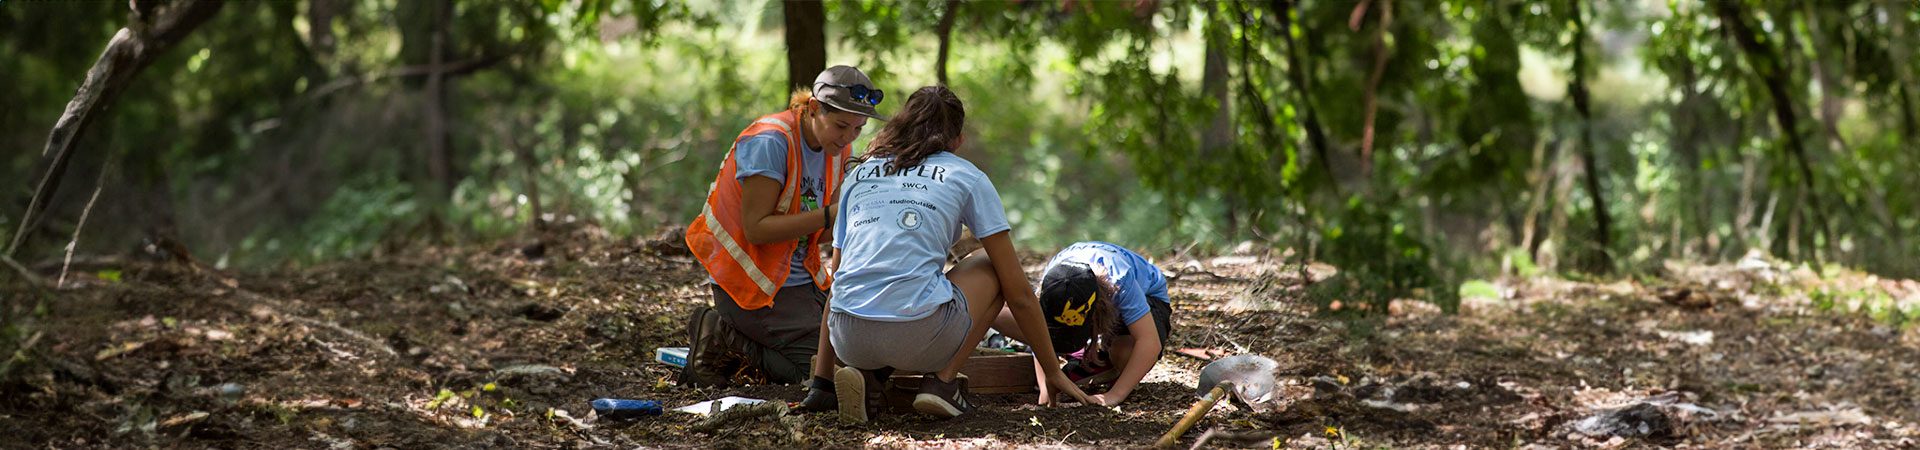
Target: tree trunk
x,y
439,146
1686,142
151,31
1218,136
531,165
1831,86
320,14
1213,84
1765,60
806,41
1298,73
1900,52
1602,221
947,18
1545,174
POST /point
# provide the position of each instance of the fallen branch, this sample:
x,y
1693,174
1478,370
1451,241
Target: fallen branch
x,y
742,413
1233,438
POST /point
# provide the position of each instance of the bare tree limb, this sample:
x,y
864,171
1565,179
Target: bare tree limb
x,y
131,49
25,274
88,211
1380,52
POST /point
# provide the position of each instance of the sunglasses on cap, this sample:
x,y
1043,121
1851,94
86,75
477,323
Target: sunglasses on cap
x,y
860,92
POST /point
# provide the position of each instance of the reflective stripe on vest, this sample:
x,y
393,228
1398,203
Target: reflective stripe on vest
x,y
739,254
747,271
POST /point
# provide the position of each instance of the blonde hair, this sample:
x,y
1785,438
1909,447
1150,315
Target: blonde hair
x,y
799,100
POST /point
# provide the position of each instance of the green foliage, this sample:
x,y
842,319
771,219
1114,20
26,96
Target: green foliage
x,y
1381,260
1480,289
261,144
1872,302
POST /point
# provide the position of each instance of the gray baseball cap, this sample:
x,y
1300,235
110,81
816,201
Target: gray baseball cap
x,y
848,89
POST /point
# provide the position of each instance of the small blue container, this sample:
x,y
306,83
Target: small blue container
x,y
621,409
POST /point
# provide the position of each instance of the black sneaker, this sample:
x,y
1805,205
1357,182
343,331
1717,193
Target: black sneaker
x,y
820,397
859,393
946,399
708,364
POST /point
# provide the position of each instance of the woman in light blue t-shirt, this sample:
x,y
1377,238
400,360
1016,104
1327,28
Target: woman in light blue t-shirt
x,y
892,307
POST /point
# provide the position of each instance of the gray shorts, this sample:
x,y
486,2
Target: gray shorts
x,y
923,345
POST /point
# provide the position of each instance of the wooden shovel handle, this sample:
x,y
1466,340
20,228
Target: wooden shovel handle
x,y
1199,409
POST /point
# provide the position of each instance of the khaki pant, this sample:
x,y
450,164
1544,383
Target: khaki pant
x,y
925,345
780,339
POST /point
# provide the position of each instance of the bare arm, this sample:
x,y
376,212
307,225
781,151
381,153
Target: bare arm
x,y
1146,353
1026,311
757,199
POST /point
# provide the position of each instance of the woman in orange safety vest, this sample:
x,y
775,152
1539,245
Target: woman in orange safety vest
x,y
759,237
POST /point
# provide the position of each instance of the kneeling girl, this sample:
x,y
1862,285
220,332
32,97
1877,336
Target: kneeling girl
x,y
892,308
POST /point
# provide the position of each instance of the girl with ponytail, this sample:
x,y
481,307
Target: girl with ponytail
x,y
893,307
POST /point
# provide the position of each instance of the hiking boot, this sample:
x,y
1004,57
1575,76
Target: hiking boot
x,y
708,361
820,397
945,399
859,393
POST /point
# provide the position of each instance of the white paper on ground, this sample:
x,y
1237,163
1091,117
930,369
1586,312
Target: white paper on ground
x,y
730,401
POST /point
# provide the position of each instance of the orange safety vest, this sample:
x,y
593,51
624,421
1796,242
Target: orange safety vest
x,y
752,273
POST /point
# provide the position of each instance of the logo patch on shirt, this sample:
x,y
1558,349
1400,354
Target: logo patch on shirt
x,y
910,219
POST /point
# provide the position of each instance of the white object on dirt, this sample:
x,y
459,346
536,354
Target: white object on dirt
x,y
1225,261
1844,416
707,407
527,369
577,423
672,356
1383,404
1697,337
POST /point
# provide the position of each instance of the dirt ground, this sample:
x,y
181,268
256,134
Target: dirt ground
x,y
489,347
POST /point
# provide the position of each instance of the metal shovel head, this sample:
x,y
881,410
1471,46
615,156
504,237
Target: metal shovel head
x,y
1251,377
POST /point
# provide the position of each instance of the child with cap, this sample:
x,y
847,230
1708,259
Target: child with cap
x,y
1108,311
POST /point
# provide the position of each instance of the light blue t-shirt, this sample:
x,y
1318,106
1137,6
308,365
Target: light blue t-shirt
x,y
765,155
1137,279
893,233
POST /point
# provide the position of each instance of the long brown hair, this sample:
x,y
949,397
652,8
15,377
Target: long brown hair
x,y
1106,309
926,125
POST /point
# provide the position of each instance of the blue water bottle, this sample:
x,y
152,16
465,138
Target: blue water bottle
x,y
621,409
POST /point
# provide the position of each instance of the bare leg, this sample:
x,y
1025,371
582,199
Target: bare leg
x,y
823,361
976,280
1004,323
